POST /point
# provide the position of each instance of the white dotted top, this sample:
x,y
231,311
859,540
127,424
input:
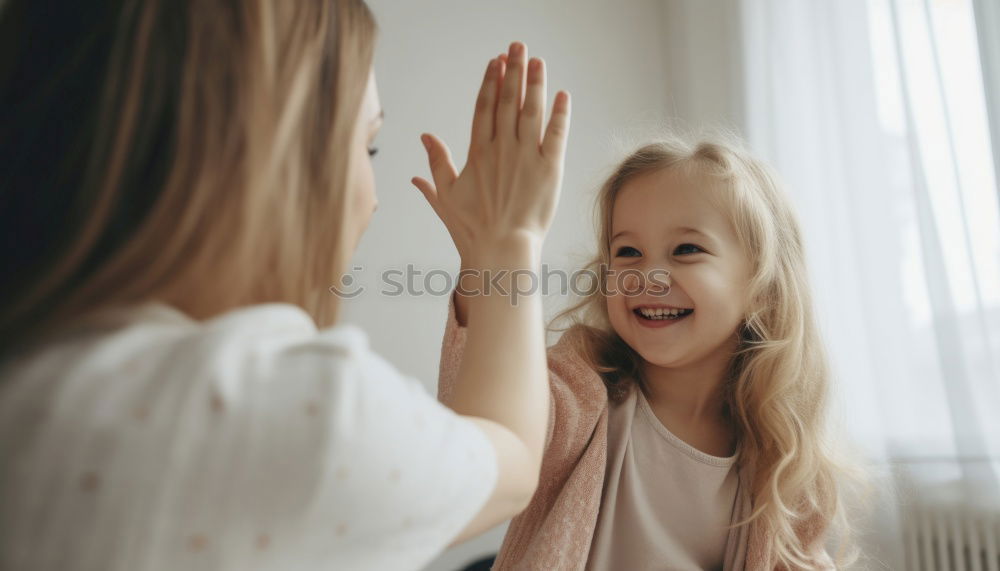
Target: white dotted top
x,y
149,441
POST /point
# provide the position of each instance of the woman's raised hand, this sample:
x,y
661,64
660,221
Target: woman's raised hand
x,y
509,187
498,211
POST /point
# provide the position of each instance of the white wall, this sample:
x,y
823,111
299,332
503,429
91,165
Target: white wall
x,y
626,77
704,65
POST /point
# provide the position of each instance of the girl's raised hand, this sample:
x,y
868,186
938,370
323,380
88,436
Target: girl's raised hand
x,y
510,184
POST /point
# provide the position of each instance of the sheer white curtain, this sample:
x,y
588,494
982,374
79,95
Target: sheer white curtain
x,y
875,113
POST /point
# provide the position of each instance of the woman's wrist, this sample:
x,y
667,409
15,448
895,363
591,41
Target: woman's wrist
x,y
520,250
507,267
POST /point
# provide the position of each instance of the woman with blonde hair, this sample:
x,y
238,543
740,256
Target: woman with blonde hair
x,y
689,391
183,182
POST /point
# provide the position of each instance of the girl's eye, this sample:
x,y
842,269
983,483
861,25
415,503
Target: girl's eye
x,y
685,246
372,151
627,252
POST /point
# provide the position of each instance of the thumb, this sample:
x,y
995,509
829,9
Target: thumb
x,y
430,193
442,169
426,188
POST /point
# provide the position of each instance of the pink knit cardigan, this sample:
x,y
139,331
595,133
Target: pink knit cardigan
x,y
555,531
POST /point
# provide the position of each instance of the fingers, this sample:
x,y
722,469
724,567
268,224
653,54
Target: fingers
x,y
485,116
439,157
554,142
509,105
510,81
501,74
529,129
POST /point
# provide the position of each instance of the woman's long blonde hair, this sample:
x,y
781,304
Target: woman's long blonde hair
x,y
194,152
777,383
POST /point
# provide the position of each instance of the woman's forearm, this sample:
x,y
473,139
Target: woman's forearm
x,y
503,376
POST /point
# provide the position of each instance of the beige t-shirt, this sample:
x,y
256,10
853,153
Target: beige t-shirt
x,y
665,503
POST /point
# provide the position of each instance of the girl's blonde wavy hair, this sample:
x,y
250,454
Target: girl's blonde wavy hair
x,y
776,388
194,152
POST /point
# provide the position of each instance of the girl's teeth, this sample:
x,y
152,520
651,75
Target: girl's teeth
x,y
660,313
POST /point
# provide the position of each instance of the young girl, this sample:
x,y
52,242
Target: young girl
x,y
688,396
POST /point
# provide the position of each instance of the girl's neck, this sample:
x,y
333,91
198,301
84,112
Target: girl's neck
x,y
689,402
693,393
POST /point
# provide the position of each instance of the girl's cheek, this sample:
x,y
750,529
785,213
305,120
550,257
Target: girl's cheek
x,y
612,302
615,304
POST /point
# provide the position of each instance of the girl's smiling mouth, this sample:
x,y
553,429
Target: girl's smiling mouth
x,y
660,315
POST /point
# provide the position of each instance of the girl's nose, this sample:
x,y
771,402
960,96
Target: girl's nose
x,y
658,281
655,281
632,282
659,278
